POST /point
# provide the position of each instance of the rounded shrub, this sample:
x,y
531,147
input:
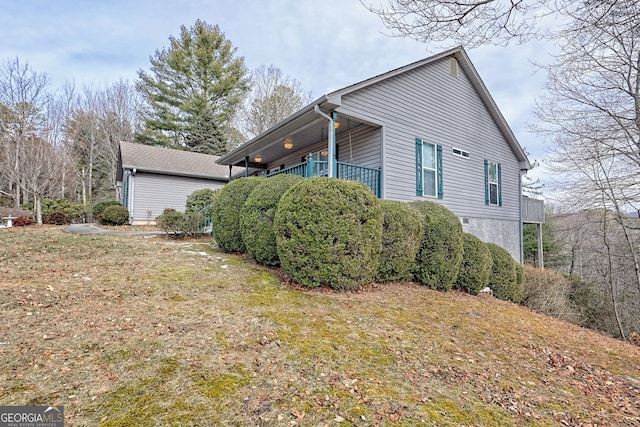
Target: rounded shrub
x,y
256,218
114,215
170,222
99,207
441,247
56,218
476,265
199,199
329,232
23,221
401,237
503,280
226,212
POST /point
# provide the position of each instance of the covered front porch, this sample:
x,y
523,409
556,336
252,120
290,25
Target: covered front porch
x,y
319,140
369,176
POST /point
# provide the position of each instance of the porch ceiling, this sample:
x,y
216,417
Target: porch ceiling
x,y
307,129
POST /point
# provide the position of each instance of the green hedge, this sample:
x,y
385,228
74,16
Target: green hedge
x,y
329,232
256,218
114,215
476,266
503,280
401,237
199,200
226,212
99,207
441,249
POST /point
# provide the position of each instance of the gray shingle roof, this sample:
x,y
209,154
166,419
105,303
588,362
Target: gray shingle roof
x,y
147,158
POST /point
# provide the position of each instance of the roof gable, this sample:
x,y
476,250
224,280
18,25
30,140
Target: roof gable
x,y
167,161
333,100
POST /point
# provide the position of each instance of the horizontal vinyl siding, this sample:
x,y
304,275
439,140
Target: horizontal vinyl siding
x,y
153,193
431,104
363,149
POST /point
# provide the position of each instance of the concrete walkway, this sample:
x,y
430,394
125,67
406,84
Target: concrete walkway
x,y
93,229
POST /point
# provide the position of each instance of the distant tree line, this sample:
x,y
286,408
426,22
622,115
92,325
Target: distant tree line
x,y
62,142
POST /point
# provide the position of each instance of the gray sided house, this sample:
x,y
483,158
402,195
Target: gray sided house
x,y
154,178
427,131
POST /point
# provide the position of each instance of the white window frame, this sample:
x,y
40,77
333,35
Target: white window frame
x,y
434,169
493,184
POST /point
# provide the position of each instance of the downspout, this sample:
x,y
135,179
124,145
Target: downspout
x,y
132,195
331,140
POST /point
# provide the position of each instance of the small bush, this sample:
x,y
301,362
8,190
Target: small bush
x,y
256,218
441,249
199,199
329,232
401,237
548,292
503,279
114,215
72,211
226,213
169,222
476,266
99,207
192,224
23,221
178,225
56,218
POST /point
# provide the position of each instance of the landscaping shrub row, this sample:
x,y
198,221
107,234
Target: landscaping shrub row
x,y
336,233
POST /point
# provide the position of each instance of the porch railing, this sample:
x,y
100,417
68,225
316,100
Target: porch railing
x,y
207,221
369,176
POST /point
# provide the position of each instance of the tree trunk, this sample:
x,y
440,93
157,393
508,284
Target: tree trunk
x,y
37,204
612,284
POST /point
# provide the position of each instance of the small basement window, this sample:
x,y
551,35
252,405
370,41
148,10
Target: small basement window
x,y
460,153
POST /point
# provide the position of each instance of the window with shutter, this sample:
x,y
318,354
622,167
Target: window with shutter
x,y
428,169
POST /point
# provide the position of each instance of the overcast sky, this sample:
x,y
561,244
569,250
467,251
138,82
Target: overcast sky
x,y
324,44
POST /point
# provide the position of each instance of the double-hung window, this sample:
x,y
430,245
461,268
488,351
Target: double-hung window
x,y
428,169
492,183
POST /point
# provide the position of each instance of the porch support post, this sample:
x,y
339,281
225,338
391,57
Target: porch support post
x,y
331,142
246,166
332,146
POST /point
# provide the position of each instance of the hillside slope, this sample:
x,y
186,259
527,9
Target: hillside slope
x,y
134,331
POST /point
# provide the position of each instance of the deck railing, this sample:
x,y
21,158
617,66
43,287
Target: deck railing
x,y
369,176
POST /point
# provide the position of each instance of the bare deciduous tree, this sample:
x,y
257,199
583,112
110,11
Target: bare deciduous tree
x,y
474,23
274,97
23,103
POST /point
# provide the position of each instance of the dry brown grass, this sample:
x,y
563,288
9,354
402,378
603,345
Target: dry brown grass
x,y
128,331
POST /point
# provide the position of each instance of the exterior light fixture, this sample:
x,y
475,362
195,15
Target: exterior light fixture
x,y
324,153
288,144
336,125
258,158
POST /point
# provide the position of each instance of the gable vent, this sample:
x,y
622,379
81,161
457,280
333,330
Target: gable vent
x,y
453,67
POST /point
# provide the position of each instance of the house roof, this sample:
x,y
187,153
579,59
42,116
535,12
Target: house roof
x,y
167,161
308,120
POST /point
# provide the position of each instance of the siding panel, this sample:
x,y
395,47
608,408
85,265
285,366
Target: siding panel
x,y
154,192
429,103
